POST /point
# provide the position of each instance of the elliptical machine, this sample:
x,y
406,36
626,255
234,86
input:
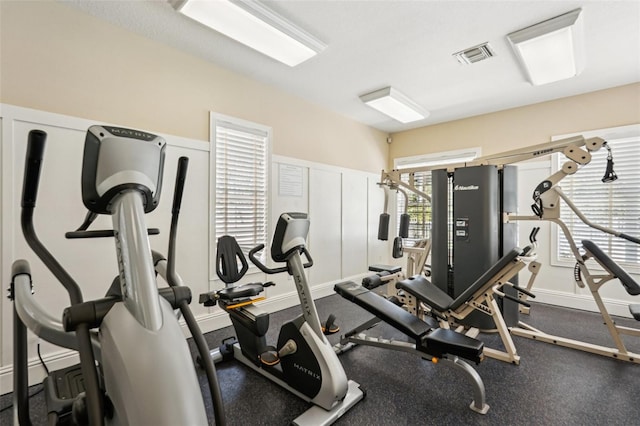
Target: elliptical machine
x,y
127,373
303,361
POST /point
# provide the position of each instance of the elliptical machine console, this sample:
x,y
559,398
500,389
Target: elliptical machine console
x,y
117,159
303,361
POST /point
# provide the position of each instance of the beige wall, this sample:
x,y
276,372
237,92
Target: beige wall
x,y
58,59
529,125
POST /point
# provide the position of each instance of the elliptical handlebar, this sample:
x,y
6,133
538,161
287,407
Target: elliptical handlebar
x,y
181,177
264,268
32,166
33,163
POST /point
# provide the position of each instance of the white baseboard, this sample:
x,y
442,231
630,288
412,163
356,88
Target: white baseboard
x,y
581,301
54,361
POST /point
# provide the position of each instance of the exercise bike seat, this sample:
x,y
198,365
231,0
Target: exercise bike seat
x,y
240,292
228,254
231,266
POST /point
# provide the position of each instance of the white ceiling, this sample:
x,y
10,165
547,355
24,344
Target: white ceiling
x,y
407,45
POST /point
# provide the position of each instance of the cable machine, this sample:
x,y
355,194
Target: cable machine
x,y
471,203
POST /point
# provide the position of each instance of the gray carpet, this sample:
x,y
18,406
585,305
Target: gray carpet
x,y
551,386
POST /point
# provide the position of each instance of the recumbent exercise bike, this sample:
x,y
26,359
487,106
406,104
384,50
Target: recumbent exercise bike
x,y
303,361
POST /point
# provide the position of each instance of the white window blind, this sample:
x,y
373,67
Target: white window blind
x,y
241,180
614,205
418,208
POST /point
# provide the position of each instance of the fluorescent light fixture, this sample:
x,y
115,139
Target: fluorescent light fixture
x,y
394,104
438,159
551,50
253,24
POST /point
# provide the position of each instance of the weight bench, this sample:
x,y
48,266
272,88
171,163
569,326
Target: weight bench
x,y
436,344
594,282
478,296
383,282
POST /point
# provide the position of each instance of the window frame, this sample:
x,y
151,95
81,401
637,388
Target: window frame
x,y
216,121
441,158
608,134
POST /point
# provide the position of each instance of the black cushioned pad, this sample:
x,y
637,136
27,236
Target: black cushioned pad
x,y
240,292
629,283
429,338
387,311
425,291
385,268
635,311
443,341
485,278
431,294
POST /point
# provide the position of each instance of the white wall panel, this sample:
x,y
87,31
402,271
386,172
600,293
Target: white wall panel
x,y
325,231
354,223
379,251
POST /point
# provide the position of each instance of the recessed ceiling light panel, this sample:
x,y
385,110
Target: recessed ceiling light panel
x,y
255,25
551,50
394,104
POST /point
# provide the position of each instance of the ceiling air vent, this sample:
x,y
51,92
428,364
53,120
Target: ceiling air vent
x,y
475,54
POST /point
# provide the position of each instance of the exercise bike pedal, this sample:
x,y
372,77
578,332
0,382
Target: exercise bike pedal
x,y
330,327
270,357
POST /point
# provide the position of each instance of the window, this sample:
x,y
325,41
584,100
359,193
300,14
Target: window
x,y
418,208
614,205
240,164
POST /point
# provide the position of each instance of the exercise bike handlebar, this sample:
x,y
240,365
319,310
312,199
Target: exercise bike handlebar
x,y
264,268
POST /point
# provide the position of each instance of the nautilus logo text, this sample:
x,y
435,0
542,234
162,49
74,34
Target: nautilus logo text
x,y
466,188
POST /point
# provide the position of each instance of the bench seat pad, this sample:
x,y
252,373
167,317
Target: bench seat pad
x,y
427,292
387,311
429,338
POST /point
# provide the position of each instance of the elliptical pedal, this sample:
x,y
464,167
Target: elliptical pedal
x,y
61,388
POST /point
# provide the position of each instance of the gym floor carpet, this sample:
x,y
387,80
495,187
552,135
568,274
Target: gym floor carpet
x,y
551,386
